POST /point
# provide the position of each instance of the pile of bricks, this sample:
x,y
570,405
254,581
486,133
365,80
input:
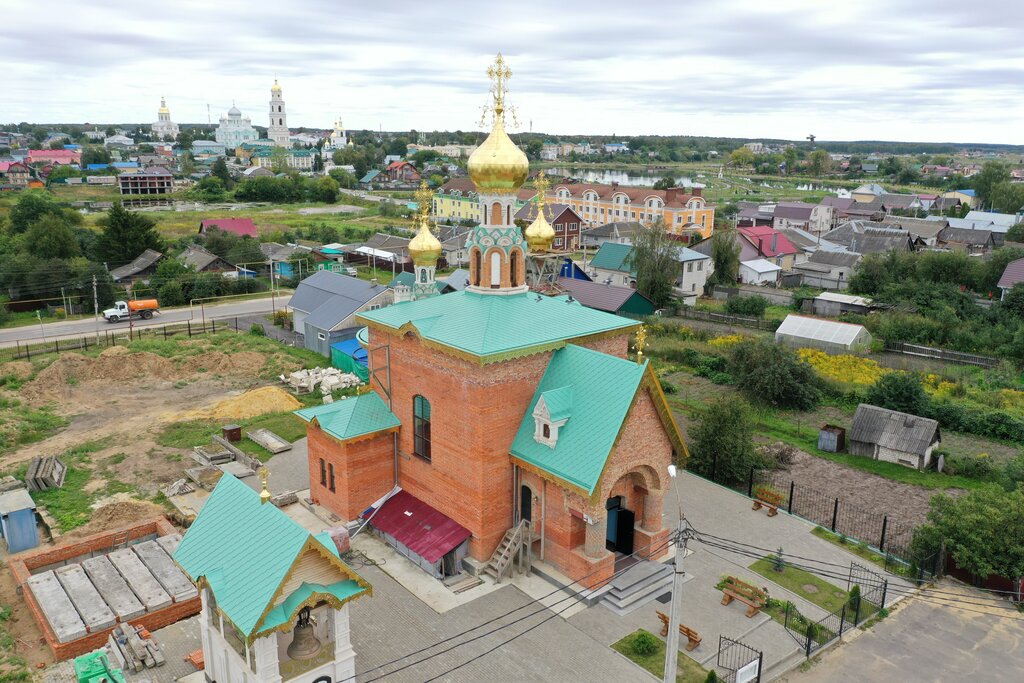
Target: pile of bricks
x,y
134,649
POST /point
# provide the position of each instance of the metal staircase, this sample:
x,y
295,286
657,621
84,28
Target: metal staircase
x,y
513,553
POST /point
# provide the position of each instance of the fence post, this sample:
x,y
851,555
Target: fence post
x,y
189,323
792,489
856,613
842,620
760,663
236,323
810,632
885,589
165,332
85,342
750,484
885,523
56,346
213,326
835,514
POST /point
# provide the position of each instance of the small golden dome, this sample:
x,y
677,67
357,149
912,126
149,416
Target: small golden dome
x,y
275,87
163,107
498,166
424,247
539,235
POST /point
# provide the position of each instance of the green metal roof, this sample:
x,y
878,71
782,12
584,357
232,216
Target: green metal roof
x,y
558,402
409,280
342,590
493,326
612,256
601,389
348,418
243,549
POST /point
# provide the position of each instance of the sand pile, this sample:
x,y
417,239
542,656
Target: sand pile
x,y
21,369
115,515
219,363
255,402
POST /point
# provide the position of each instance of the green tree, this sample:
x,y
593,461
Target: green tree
x,y
665,182
30,207
992,174
976,530
325,190
52,237
900,391
742,157
318,163
184,140
819,163
773,374
279,160
220,170
187,164
95,154
654,260
1016,233
1013,302
246,252
124,235
1007,197
344,178
790,157
722,442
725,258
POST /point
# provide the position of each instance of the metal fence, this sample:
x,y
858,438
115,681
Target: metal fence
x,y
114,337
728,319
741,663
942,354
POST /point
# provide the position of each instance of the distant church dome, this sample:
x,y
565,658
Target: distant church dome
x,y
234,111
275,87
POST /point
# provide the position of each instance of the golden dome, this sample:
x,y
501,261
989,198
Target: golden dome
x,y
539,235
424,247
163,107
275,87
498,166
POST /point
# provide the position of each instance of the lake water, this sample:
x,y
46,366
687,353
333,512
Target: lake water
x,y
608,176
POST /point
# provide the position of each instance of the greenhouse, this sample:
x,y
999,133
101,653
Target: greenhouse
x,y
817,333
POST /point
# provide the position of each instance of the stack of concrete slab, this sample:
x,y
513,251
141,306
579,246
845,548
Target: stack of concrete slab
x,y
102,591
132,651
45,473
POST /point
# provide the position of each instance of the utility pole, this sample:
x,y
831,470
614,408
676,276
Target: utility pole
x,y
64,301
674,617
96,309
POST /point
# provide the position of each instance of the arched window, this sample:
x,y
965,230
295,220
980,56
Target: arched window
x,y
495,270
423,275
476,268
513,272
546,430
495,213
421,427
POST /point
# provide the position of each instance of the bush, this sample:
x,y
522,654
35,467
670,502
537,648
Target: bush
x,y
257,330
747,305
771,373
644,644
722,445
900,391
979,466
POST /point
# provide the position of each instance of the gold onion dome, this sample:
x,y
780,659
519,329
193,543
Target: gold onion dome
x,y
424,247
540,234
275,87
163,106
498,166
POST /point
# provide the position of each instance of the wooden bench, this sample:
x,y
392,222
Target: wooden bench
x,y
692,637
768,498
753,597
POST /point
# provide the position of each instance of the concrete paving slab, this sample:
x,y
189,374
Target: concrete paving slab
x,y
91,606
169,543
113,588
162,567
57,607
237,469
142,582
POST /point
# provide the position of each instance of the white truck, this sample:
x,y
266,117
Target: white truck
x,y
123,310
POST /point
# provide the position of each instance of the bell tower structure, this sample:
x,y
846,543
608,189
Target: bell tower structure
x,y
498,168
278,129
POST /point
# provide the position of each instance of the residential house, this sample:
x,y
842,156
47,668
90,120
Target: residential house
x,y
118,142
616,148
866,237
921,229
141,267
802,331
457,200
152,180
566,223
828,269
770,244
280,257
606,297
402,172
373,177
834,304
458,279
684,213
968,197
257,172
751,214
204,148
1012,275
54,156
883,434
814,218
14,175
202,260
996,222
901,203
621,232
759,271
299,159
974,242
943,205
869,168
867,192
243,227
611,265
839,206
453,244
325,304
868,211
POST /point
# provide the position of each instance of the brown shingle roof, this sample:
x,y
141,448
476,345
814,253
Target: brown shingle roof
x,y
894,430
637,195
1013,274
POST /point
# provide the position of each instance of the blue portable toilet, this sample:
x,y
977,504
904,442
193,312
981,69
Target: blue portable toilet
x,y
18,520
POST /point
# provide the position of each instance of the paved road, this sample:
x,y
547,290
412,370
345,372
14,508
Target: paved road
x,y
77,328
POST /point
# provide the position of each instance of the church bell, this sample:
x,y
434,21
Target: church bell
x,y
305,644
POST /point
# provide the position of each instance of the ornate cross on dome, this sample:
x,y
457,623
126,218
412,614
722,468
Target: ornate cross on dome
x,y
541,183
424,197
499,73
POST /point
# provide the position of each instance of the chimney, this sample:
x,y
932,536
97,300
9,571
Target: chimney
x,y
697,191
775,243
671,194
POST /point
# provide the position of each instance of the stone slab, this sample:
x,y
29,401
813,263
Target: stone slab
x,y
142,582
160,564
57,607
170,543
113,588
91,606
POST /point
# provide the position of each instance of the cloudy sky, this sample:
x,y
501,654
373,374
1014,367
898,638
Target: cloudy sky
x,y
934,70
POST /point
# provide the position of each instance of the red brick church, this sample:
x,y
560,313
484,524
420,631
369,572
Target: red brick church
x,y
500,416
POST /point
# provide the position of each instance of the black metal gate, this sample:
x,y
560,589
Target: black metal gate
x,y
741,663
873,585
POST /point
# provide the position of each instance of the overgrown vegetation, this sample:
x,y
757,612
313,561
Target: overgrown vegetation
x,y
70,504
22,424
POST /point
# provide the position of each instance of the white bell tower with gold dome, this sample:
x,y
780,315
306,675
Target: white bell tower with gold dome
x,y
498,168
278,128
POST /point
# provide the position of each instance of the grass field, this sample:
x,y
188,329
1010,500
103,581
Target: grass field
x,y
808,586
22,424
688,671
200,432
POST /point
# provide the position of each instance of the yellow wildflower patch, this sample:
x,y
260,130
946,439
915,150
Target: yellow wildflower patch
x,y
843,368
726,341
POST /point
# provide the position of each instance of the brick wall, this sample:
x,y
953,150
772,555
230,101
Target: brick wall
x,y
363,472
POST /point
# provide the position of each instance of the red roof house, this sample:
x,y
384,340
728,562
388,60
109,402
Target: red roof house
x,y
54,156
1012,275
243,227
769,241
402,171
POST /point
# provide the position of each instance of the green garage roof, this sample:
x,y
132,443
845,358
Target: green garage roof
x,y
350,417
493,327
601,389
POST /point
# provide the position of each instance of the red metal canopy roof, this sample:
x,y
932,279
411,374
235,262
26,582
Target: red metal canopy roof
x,y
424,530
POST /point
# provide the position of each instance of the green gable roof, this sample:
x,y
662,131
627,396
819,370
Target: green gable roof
x,y
612,256
558,402
348,418
243,549
493,327
601,389
409,279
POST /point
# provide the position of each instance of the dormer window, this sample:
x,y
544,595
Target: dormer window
x,y
552,411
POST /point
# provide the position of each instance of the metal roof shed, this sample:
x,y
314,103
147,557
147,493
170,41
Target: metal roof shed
x,y
18,520
827,335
